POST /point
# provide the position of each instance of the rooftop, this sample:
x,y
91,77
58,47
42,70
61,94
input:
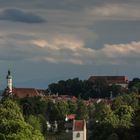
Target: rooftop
x,y
25,92
111,79
78,125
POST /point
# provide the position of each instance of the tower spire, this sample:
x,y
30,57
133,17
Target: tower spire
x,y
9,81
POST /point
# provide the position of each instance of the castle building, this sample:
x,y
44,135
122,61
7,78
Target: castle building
x,y
117,80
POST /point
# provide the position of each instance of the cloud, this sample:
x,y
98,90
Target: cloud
x,y
58,49
62,49
116,11
119,54
66,49
122,50
17,15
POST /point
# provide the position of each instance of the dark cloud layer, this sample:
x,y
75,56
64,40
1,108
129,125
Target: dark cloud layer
x,y
75,5
17,15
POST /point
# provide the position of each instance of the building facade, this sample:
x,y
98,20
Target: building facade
x,y
79,130
117,80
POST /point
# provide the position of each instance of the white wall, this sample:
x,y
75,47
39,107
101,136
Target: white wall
x,y
78,138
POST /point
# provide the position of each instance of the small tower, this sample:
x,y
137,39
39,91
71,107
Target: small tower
x,y
79,130
9,81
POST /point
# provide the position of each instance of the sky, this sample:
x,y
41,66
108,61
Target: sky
x,y
44,41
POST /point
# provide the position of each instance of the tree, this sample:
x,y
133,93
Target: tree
x,y
34,122
12,124
134,85
62,110
115,90
103,114
82,111
72,107
136,122
102,122
33,106
128,99
125,114
113,136
2,137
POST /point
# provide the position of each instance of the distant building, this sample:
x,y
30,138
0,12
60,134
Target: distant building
x,y
20,92
25,92
117,80
79,130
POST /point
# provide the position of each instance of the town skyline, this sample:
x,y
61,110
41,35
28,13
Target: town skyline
x,y
33,85
43,83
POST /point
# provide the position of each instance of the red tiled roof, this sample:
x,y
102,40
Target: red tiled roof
x,y
78,125
25,92
111,79
71,116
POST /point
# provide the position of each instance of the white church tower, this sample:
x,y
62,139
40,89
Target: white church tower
x,y
9,81
79,130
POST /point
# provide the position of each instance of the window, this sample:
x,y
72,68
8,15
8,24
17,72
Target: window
x,y
78,135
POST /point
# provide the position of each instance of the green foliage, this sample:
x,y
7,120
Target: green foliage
x,y
117,121
125,114
129,99
10,110
2,137
82,111
62,109
85,89
115,90
70,86
104,115
12,124
35,112
91,109
51,111
136,118
113,136
101,131
134,85
33,106
34,122
72,107
120,120
42,121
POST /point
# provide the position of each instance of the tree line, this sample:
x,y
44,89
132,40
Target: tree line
x,y
87,89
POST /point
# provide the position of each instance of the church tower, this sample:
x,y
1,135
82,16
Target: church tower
x,y
9,81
